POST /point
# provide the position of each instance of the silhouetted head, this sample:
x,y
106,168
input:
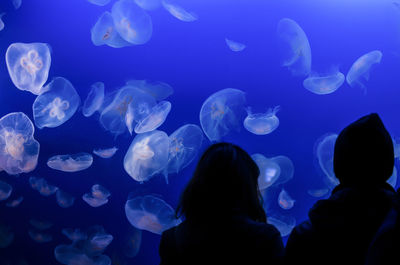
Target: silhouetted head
x,y
364,153
224,183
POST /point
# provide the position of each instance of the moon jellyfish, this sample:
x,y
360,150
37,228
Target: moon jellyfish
x,y
6,236
17,4
147,155
178,12
1,21
40,237
148,4
325,147
132,243
94,99
70,163
262,123
98,240
40,224
99,2
28,65
57,105
64,200
105,153
287,169
151,214
221,112
318,193
74,234
269,171
361,68
132,23
295,48
284,224
42,186
235,46
159,90
285,201
322,85
15,203
155,118
393,179
97,197
71,255
19,150
5,190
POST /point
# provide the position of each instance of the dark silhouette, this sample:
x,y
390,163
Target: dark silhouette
x,y
341,228
224,219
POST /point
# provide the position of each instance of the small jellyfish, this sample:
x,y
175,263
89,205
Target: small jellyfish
x,y
295,48
284,224
361,69
322,85
40,224
178,12
151,214
221,112
393,179
19,150
132,243
147,155
15,203
132,23
1,21
97,197
74,234
5,190
318,193
262,123
148,4
17,4
287,169
324,149
40,237
285,201
45,188
105,153
28,65
64,200
159,90
70,163
396,147
6,236
71,255
269,171
98,242
235,46
99,2
94,99
155,119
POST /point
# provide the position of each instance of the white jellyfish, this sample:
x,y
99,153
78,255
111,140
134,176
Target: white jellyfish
x,y
155,118
295,48
159,90
99,2
42,186
283,223
235,46
17,3
40,237
6,236
97,197
40,224
57,105
1,21
147,155
318,193
28,65
285,201
15,203
179,12
105,153
94,99
132,243
5,190
269,171
64,200
326,84
19,150
97,242
286,169
324,149
74,234
148,4
71,255
151,214
221,112
262,123
132,23
70,163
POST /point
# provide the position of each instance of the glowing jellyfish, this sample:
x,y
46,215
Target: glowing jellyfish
x,y
155,119
40,224
148,4
6,236
105,33
71,255
105,153
41,185
74,234
324,149
284,224
99,2
57,105
221,112
151,214
64,200
285,201
70,163
361,69
40,237
269,171
318,193
396,147
287,169
19,150
159,90
322,85
28,65
262,123
132,243
132,23
5,190
178,12
15,203
97,197
235,46
17,3
147,155
1,21
393,179
295,48
94,99
97,241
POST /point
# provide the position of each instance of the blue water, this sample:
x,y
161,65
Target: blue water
x,y
194,59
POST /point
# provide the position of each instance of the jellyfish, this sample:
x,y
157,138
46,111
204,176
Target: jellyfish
x,y
40,237
28,65
361,69
178,12
269,171
393,179
19,150
64,200
132,23
40,224
94,99
44,188
396,147
295,48
105,33
262,123
284,224
5,190
221,112
155,119
235,46
98,242
15,203
97,197
17,4
324,149
322,85
69,255
318,193
105,153
148,4
74,234
287,169
70,163
99,2
6,236
150,213
159,90
285,201
1,21
147,155
132,243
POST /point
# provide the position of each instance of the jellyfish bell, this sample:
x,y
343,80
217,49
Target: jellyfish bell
x,y
324,84
262,123
269,171
94,99
148,4
74,234
40,237
1,21
324,150
155,118
64,200
235,46
179,12
70,163
286,169
284,223
105,153
158,90
15,203
285,201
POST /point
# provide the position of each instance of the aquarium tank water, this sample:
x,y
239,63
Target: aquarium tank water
x,y
106,106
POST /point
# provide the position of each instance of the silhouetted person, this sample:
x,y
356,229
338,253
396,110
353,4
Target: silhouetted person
x,y
224,219
341,228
